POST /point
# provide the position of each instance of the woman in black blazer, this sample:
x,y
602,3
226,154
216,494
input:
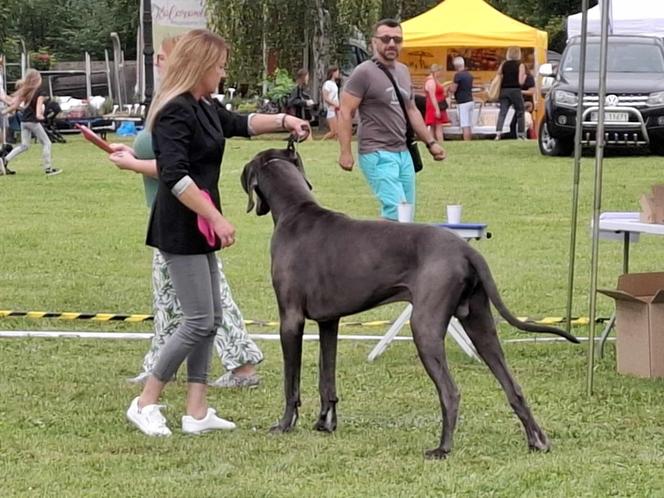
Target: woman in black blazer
x,y
189,134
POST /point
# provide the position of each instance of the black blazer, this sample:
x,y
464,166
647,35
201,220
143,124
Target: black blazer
x,y
188,138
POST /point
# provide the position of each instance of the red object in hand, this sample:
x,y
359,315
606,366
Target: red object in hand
x,y
204,225
91,136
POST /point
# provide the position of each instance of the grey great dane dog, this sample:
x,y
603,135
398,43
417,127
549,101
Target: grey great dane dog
x,y
326,265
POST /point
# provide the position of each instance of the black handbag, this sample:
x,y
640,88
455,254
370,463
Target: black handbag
x,y
410,135
442,105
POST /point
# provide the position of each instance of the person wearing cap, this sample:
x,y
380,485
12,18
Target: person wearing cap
x,y
435,116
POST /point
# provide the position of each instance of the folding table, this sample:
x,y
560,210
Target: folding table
x,y
466,231
625,227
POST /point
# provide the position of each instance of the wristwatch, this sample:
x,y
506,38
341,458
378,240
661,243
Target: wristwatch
x,y
430,143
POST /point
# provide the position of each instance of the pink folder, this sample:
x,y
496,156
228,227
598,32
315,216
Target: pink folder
x,y
204,226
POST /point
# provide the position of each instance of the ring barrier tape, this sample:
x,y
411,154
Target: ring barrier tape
x,y
121,317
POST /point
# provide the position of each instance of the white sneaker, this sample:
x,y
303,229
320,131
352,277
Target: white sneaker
x,y
210,422
148,419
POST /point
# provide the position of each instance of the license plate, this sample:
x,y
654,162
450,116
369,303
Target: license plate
x,y
611,116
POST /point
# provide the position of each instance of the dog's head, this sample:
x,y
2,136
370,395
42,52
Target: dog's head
x,y
251,173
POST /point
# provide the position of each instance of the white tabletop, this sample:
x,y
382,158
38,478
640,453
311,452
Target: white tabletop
x,y
627,222
468,230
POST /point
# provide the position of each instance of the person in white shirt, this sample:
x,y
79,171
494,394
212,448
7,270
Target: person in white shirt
x,y
331,100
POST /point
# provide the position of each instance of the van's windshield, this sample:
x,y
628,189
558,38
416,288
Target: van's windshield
x,y
621,58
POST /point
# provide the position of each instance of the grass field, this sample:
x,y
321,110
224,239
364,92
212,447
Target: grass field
x,y
74,242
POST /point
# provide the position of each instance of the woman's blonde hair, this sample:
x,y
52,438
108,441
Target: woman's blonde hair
x,y
27,87
195,53
434,68
513,54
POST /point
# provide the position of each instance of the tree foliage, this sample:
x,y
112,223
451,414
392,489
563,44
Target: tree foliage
x,y
68,28
291,29
549,16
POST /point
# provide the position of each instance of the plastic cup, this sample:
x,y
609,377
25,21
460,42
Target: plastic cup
x,y
454,214
405,212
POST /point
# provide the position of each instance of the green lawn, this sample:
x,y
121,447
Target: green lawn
x,y
74,242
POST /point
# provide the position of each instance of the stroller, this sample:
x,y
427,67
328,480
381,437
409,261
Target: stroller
x,y
51,111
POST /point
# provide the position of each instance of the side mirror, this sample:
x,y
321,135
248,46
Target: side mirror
x,y
547,70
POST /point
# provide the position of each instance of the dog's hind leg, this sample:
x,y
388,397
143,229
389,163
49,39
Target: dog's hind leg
x,y
428,322
481,329
291,330
327,367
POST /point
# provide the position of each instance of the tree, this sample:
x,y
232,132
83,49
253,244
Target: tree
x,y
550,16
294,32
69,28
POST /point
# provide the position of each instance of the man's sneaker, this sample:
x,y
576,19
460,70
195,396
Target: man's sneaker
x,y
52,171
148,419
141,378
230,379
210,422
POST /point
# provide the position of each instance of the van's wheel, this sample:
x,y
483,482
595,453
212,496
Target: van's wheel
x,y
550,146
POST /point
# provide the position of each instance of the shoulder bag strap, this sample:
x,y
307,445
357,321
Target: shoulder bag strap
x,y
410,135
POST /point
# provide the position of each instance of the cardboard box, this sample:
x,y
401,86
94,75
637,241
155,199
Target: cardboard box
x,y
639,323
652,206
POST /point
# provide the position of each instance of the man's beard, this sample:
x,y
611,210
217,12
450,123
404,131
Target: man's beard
x,y
389,54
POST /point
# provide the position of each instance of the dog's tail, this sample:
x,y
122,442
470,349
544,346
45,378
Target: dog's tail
x,y
484,273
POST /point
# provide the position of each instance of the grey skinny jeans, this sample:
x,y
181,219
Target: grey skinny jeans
x,y
28,130
196,282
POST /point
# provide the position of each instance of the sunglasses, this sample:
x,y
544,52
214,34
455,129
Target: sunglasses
x,y
386,39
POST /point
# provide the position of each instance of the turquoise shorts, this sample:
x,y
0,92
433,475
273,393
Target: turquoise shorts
x,y
392,179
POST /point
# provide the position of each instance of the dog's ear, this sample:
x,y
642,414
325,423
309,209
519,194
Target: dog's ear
x,y
249,180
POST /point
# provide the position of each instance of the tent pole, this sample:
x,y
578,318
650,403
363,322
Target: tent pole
x,y
597,194
578,130
148,53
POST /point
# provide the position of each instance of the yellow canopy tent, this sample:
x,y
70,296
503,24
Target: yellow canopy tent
x,y
463,27
470,23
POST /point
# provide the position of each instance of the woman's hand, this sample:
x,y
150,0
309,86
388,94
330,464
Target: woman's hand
x,y
224,230
123,159
121,147
297,126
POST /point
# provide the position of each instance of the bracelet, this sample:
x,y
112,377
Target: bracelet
x,y
283,121
430,143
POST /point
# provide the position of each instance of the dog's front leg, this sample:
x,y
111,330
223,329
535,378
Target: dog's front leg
x,y
327,364
291,330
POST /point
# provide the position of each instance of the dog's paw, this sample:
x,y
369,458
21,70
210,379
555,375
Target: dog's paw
x,y
539,442
322,426
327,422
436,454
280,429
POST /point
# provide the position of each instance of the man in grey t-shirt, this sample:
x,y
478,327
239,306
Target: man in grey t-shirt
x,y
383,155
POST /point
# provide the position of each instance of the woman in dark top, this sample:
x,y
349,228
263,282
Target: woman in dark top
x,y
300,102
189,133
514,76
